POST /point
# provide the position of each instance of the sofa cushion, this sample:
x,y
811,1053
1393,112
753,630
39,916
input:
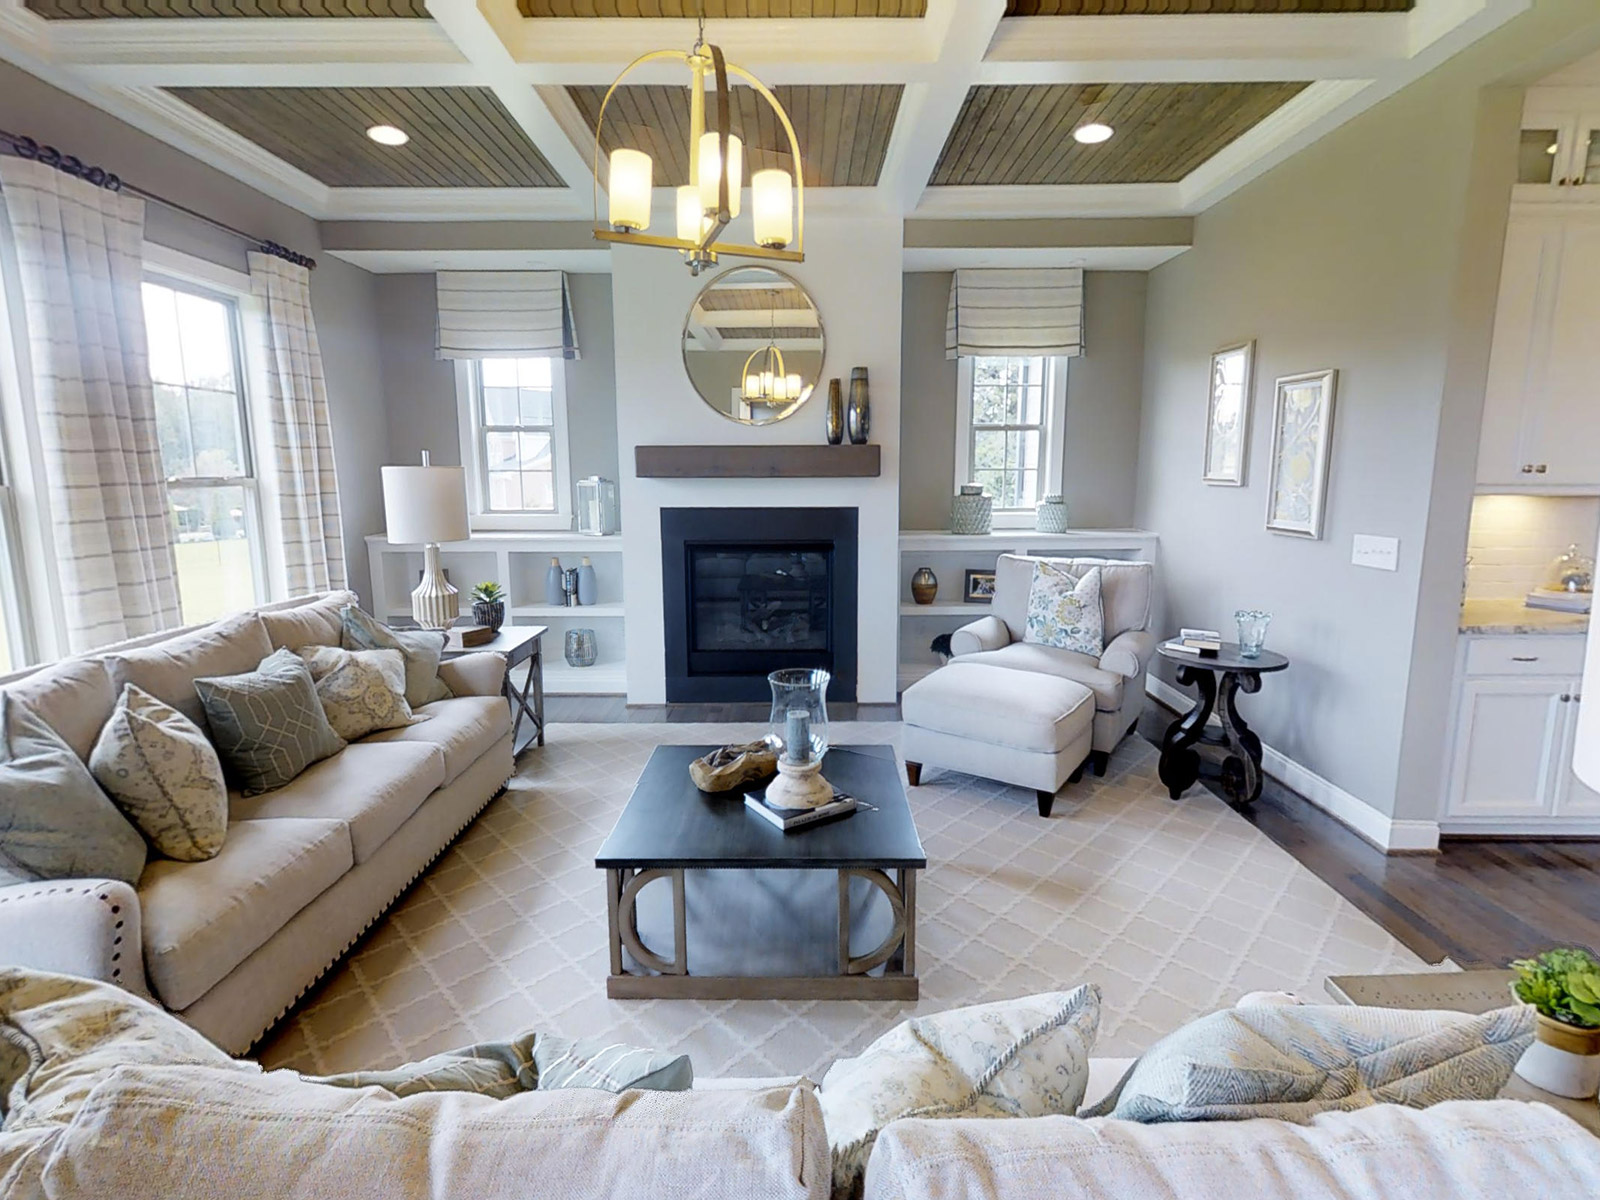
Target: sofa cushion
x,y
267,724
55,822
159,769
1016,1058
464,728
74,697
1477,1149
1107,686
306,622
1290,1062
371,789
168,669
203,919
362,691
986,703
1064,610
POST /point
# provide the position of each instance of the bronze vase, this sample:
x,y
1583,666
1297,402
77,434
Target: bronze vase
x,y
858,418
924,586
835,413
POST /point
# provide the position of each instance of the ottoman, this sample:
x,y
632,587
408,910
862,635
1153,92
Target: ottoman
x,y
1019,727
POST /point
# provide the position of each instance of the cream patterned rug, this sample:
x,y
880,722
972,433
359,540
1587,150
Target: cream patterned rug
x,y
1174,909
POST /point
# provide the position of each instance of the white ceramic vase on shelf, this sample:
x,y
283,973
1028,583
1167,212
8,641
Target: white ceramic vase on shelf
x,y
1051,515
1563,1060
971,511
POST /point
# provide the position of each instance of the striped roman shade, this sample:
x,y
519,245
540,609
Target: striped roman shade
x,y
1006,311
505,314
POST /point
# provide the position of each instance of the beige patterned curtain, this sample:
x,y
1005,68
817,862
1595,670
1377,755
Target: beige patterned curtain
x,y
79,257
1014,311
302,437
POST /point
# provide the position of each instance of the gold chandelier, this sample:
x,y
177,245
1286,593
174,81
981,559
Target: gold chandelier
x,y
766,381
712,197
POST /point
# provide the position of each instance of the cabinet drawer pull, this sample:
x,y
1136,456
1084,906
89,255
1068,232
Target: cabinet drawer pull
x,y
1541,468
1565,698
1527,468
1524,658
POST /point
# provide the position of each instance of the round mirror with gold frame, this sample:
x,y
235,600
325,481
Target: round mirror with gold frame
x,y
753,345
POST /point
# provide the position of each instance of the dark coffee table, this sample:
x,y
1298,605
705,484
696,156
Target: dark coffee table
x,y
670,827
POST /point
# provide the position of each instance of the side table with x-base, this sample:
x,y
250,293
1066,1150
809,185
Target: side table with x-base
x,y
518,645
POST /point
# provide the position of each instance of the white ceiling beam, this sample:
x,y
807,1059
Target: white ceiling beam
x,y
479,40
757,318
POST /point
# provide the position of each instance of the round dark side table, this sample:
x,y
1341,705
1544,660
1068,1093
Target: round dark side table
x,y
1236,753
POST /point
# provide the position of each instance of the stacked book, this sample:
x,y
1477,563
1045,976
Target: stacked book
x,y
1200,643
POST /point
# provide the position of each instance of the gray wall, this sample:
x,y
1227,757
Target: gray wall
x,y
341,295
421,392
1104,387
1354,254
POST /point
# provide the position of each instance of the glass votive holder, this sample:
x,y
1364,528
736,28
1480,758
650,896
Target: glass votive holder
x,y
1252,631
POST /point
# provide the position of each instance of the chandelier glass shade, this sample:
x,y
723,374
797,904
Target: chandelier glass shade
x,y
766,381
714,194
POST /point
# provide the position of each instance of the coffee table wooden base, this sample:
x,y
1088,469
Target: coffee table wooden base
x,y
896,953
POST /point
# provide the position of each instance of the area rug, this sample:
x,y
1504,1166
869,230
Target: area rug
x,y
1174,908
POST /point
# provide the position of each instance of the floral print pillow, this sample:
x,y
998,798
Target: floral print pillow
x,y
1064,610
362,691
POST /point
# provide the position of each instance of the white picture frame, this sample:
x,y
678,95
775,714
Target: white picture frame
x,y
1302,443
1232,381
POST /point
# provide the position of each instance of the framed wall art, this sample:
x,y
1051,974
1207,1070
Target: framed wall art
x,y
1302,438
1228,414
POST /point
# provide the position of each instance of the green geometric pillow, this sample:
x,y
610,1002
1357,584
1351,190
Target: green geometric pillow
x,y
268,724
610,1066
421,648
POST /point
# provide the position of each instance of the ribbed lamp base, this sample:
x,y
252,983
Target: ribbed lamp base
x,y
436,603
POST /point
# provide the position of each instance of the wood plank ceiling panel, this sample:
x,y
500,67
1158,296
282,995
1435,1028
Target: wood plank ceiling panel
x,y
749,299
843,129
460,137
1176,8
1018,136
721,9
101,9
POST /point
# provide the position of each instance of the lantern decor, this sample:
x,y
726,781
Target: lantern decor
x,y
714,193
799,733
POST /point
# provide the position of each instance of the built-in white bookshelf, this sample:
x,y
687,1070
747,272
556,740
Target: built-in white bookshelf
x,y
518,561
950,555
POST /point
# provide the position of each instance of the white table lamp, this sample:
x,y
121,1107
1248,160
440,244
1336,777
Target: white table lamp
x,y
428,504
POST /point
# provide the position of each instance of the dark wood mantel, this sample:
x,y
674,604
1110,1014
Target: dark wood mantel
x,y
757,462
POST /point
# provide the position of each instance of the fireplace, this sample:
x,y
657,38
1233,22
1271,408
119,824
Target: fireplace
x,y
749,590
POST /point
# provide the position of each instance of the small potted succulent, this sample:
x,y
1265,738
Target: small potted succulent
x,y
1564,987
489,604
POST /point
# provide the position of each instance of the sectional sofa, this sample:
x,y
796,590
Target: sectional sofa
x,y
231,943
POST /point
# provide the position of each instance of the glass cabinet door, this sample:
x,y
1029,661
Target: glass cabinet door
x,y
1586,167
1538,155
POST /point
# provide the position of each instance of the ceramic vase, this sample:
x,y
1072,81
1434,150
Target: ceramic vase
x,y
924,586
587,585
858,419
554,590
489,612
835,412
971,511
1563,1059
581,648
1051,515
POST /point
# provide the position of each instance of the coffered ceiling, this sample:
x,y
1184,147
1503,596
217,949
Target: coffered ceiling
x,y
910,108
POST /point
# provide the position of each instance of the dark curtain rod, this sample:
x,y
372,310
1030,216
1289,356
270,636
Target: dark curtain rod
x,y
26,147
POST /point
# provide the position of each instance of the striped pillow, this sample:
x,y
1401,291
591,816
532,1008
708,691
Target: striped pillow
x,y
609,1066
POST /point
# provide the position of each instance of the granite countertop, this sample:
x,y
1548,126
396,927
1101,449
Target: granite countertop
x,y
1515,617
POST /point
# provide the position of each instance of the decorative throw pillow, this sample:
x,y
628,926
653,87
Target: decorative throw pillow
x,y
609,1066
362,691
1292,1062
160,770
1064,610
268,724
420,647
1016,1058
55,822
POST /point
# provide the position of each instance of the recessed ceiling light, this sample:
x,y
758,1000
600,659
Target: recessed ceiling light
x,y
1092,134
388,135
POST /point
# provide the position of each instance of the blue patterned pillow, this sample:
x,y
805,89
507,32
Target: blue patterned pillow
x,y
267,724
610,1066
1290,1063
1064,610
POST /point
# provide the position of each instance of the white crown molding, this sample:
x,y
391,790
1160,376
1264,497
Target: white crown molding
x,y
455,204
421,262
1090,258
1053,200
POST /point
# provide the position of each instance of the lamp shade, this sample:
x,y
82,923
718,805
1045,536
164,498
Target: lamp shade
x,y
425,504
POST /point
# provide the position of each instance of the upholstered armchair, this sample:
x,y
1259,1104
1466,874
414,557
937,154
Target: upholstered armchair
x,y
1116,678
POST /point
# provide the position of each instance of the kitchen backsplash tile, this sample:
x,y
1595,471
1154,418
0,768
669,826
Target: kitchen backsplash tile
x,y
1514,539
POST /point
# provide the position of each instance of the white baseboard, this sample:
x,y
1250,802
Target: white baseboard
x,y
1540,827
1386,833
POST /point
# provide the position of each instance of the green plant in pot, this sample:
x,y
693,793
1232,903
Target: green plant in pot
x,y
1564,988
489,604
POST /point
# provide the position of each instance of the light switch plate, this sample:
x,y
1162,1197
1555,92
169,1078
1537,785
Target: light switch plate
x,y
1379,553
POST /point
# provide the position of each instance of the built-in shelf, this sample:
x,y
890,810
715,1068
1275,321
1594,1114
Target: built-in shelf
x,y
758,462
1002,541
970,611
602,679
573,612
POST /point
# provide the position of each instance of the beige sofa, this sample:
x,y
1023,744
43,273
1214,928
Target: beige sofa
x,y
231,943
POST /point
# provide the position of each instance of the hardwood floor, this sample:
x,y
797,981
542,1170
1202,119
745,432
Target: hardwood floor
x,y
1479,902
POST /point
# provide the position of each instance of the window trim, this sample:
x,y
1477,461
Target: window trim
x,y
1052,470
469,433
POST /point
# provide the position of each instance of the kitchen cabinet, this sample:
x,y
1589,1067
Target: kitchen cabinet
x,y
1559,154
1541,419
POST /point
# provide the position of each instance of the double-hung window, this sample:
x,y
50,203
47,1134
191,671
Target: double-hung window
x,y
1010,412
203,421
513,432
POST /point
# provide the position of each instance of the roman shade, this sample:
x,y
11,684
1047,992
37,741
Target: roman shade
x,y
1015,312
505,314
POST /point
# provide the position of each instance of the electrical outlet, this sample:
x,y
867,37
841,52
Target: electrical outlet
x,y
1379,553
